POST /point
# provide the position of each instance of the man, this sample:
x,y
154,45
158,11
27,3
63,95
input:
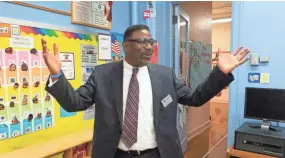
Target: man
x,y
136,101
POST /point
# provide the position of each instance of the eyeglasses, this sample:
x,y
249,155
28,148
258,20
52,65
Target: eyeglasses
x,y
143,41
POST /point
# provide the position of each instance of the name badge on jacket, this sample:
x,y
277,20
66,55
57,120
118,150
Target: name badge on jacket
x,y
166,101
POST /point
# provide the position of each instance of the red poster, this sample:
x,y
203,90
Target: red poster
x,y
154,58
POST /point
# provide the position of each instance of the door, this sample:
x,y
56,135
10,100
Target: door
x,y
180,64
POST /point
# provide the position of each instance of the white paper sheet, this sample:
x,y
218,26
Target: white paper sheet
x,y
67,65
105,52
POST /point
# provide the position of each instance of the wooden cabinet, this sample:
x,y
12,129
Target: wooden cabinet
x,y
233,153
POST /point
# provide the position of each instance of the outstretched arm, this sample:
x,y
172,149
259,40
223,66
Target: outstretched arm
x,y
214,83
69,99
61,89
219,78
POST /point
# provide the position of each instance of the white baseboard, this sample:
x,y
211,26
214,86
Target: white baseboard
x,y
198,130
218,143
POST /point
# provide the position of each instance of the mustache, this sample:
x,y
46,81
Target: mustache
x,y
146,54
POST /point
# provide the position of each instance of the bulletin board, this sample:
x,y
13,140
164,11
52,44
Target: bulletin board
x,y
28,114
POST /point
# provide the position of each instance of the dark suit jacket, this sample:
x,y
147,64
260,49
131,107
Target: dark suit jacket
x,y
104,87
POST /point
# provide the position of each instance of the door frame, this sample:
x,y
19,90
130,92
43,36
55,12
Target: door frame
x,y
177,12
176,33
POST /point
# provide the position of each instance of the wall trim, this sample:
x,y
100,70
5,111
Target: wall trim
x,y
198,130
219,101
218,143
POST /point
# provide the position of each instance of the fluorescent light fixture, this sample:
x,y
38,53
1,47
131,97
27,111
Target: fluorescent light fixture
x,y
221,20
213,21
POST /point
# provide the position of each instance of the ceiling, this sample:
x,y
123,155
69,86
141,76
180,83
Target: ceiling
x,y
221,9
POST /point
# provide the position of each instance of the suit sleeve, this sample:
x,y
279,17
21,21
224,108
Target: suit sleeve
x,y
211,86
69,99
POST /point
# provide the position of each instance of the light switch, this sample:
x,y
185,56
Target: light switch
x,y
254,59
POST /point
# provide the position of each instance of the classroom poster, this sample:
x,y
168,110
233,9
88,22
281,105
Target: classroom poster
x,y
4,118
104,47
10,66
67,65
35,85
200,62
88,63
88,55
21,88
88,60
1,67
117,46
26,112
48,101
86,72
48,110
4,133
3,109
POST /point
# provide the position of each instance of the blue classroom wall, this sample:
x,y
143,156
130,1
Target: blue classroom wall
x,y
122,12
163,31
256,25
58,5
121,20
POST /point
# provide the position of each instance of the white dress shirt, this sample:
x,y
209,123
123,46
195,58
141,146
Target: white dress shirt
x,y
146,138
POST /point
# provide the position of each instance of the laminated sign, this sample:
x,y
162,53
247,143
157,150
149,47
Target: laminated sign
x,y
254,77
146,14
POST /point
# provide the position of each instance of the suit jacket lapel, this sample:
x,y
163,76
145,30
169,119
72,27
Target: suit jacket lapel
x,y
117,84
156,87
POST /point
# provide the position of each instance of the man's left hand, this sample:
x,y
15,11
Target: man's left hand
x,y
228,62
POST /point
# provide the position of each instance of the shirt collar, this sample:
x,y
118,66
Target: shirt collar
x,y
130,67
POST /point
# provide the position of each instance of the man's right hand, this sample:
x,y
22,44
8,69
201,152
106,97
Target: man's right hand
x,y
52,60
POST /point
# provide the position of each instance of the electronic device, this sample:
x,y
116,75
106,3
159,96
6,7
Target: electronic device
x,y
266,104
261,141
254,58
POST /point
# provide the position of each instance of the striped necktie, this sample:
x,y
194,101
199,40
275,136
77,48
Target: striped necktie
x,y
130,125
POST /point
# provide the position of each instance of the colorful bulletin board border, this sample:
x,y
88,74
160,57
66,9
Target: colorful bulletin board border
x,y
54,33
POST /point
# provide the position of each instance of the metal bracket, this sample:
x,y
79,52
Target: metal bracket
x,y
174,19
150,4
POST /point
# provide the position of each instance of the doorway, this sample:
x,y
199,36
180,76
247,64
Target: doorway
x,y
221,37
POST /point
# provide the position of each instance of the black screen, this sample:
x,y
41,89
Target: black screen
x,y
265,103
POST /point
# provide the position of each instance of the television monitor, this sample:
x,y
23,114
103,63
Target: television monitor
x,y
267,104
